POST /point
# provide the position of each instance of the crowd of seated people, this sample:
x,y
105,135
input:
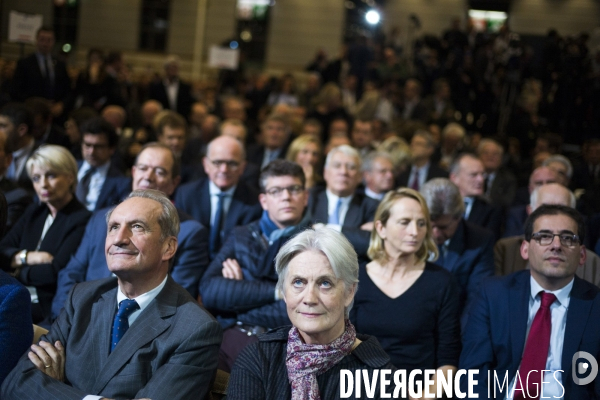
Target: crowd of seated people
x,y
206,209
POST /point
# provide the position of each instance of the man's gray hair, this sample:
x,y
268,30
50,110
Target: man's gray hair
x,y
425,135
367,162
168,219
533,197
347,150
333,244
442,198
560,159
455,166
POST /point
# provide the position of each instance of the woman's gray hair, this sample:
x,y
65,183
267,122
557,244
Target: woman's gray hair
x,y
442,198
333,244
56,159
168,219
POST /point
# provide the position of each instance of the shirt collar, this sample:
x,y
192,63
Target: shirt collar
x,y
332,197
373,195
143,300
103,169
562,295
24,150
214,190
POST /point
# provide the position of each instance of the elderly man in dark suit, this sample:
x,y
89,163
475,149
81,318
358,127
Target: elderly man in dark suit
x,y
239,285
339,205
155,168
465,249
275,140
42,75
467,172
221,201
161,338
500,184
526,330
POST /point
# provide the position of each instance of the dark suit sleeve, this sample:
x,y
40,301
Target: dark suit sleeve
x,y
192,257
11,243
18,200
27,382
76,269
189,371
477,351
219,293
15,325
270,315
483,268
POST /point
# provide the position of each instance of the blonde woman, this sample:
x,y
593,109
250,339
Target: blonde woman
x,y
307,151
410,305
48,233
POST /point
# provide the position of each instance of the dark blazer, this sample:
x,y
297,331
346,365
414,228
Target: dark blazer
x,y
507,259
504,188
158,91
515,221
251,300
89,262
16,333
470,258
17,200
61,241
22,179
256,153
434,172
115,188
486,216
260,371
361,210
28,80
194,199
497,328
169,352
419,112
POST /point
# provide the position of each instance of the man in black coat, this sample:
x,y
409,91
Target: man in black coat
x,y
171,92
42,75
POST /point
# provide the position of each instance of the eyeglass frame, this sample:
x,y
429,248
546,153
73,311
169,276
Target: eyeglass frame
x,y
231,164
294,190
567,235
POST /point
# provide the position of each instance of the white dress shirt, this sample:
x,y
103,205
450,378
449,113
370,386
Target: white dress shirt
x,y
332,200
96,182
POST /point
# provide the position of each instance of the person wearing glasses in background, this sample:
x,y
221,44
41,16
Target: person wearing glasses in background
x,y
538,319
220,201
239,286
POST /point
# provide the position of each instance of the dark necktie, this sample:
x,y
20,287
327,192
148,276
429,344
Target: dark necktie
x,y
415,182
536,349
48,77
215,230
121,322
442,255
83,187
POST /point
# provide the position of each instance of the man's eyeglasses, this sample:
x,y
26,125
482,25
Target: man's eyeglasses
x,y
232,165
278,191
546,238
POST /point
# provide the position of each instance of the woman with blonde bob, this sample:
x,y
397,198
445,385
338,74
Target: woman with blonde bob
x,y
410,305
307,151
317,278
48,233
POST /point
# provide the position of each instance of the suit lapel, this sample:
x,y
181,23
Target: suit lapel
x,y
103,313
320,212
205,206
235,208
519,295
353,215
148,325
577,317
456,247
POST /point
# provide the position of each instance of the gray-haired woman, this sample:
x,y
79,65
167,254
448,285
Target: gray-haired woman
x,y
318,277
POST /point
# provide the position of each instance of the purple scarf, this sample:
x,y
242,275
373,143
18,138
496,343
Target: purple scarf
x,y
305,361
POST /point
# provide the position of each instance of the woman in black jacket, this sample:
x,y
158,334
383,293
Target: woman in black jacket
x,y
48,233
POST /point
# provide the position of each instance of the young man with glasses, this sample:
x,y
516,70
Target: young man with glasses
x,y
239,285
220,201
528,327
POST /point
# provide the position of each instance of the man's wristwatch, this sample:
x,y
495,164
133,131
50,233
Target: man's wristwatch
x,y
23,257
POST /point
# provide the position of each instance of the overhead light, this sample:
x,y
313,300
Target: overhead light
x,y
372,17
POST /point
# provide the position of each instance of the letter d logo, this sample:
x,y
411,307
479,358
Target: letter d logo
x,y
582,367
